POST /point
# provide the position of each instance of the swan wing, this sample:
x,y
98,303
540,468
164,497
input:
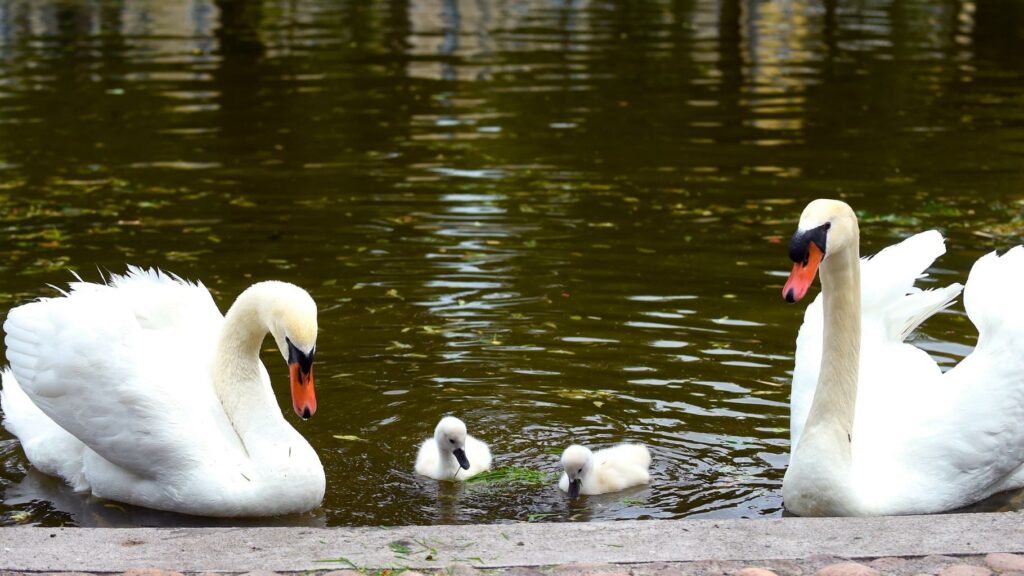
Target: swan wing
x,y
48,446
942,441
124,367
971,435
891,308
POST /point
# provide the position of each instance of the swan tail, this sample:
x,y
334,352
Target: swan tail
x,y
47,446
992,296
890,274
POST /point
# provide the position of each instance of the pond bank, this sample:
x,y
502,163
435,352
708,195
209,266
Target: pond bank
x,y
638,547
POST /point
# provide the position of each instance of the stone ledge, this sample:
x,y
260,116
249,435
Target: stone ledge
x,y
747,542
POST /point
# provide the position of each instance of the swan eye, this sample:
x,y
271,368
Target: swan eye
x,y
580,471
452,440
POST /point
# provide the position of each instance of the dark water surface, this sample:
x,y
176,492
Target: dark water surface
x,y
562,221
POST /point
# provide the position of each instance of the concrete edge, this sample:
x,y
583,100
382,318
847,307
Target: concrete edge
x,y
29,549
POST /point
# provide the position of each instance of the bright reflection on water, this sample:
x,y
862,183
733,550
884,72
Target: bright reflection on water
x,y
562,221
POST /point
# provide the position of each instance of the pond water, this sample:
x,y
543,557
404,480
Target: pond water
x,y
563,221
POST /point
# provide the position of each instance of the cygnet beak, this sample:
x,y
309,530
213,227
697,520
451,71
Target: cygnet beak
x,y
460,455
574,488
300,366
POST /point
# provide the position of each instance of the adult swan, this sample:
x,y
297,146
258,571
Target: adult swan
x,y
140,391
877,428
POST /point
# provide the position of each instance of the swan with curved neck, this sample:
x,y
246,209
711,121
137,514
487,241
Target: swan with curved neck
x,y
140,391
885,431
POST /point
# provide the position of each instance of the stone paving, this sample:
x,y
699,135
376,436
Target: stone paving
x,y
824,565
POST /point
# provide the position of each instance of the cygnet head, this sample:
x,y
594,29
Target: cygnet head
x,y
577,461
450,436
826,227
289,312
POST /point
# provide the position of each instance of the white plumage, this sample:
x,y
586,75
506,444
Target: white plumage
x,y
608,470
892,434
452,454
140,391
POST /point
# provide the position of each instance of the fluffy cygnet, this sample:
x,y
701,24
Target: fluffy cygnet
x,y
608,470
452,454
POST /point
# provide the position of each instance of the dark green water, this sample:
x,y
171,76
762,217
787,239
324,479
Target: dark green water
x,y
562,221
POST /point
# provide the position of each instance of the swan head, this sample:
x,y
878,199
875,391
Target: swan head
x,y
450,436
290,314
826,227
577,461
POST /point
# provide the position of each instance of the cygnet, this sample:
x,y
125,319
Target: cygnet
x,y
608,470
452,454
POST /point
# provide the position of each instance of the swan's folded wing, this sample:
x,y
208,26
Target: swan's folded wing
x,y
970,427
989,383
124,367
48,446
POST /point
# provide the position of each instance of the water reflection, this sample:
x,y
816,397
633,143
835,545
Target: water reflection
x,y
562,220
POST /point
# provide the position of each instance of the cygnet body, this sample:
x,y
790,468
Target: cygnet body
x,y
608,470
452,454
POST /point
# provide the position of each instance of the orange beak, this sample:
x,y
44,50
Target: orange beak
x,y
802,276
303,395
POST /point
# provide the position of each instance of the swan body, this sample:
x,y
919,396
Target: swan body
x,y
876,427
140,391
608,470
452,454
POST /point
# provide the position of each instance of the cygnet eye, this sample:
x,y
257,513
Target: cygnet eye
x,y
580,471
452,440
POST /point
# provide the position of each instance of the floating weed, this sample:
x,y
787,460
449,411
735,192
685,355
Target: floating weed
x,y
537,516
632,501
513,474
350,438
20,516
582,394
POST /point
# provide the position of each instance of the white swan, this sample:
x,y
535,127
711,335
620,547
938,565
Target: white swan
x,y
608,470
877,428
452,454
141,391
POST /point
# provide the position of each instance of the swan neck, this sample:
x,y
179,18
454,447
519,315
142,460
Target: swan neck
x,y
835,397
238,373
